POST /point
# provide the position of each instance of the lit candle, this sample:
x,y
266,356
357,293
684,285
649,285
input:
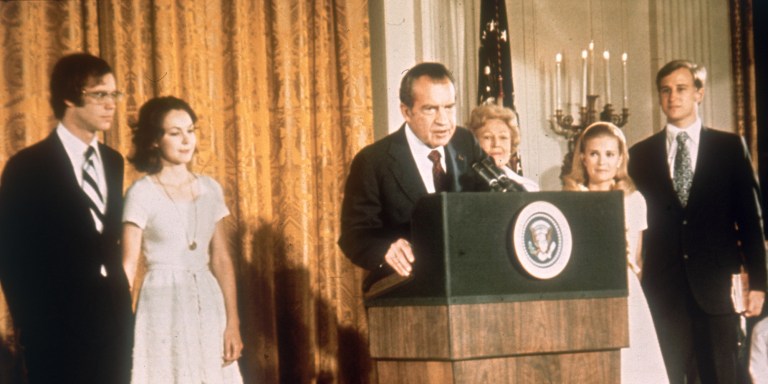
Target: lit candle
x,y
591,65
607,57
584,78
625,91
558,69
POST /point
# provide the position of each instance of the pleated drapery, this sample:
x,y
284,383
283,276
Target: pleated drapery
x,y
282,89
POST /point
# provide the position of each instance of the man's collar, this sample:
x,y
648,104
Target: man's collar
x,y
417,146
693,131
73,144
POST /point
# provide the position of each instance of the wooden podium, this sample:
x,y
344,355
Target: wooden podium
x,y
473,313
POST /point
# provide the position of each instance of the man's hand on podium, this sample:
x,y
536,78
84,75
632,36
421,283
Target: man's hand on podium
x,y
400,257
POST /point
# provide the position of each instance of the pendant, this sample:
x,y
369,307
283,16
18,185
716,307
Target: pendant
x,y
192,246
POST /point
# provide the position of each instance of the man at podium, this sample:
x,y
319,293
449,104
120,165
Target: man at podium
x,y
428,154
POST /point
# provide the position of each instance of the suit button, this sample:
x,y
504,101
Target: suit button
x,y
685,256
685,222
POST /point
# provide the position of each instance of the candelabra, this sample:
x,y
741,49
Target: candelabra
x,y
564,124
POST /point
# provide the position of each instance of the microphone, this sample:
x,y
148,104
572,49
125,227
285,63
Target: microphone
x,y
495,177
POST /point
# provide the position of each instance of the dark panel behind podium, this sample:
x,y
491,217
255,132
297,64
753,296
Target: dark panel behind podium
x,y
464,250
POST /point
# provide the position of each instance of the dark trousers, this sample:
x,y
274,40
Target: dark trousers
x,y
696,346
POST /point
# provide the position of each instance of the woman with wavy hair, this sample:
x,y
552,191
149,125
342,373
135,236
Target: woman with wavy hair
x,y
495,128
187,325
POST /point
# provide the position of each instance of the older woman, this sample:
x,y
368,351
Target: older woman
x,y
496,129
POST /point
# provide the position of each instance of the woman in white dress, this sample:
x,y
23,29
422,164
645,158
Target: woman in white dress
x,y
495,128
600,164
187,326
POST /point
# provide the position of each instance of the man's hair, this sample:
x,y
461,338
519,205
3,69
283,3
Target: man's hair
x,y
435,71
70,76
149,130
698,72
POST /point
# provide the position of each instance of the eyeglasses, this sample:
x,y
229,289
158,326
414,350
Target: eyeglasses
x,y
101,96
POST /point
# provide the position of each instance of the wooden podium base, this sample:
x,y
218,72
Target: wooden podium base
x,y
553,341
576,368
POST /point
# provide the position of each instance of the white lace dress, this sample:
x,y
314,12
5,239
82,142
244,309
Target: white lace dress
x,y
180,317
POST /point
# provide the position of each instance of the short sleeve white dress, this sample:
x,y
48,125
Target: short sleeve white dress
x,y
180,316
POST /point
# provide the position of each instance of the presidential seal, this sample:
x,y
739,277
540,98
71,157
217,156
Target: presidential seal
x,y
542,240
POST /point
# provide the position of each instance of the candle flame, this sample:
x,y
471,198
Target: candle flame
x,y
606,55
624,57
584,54
559,58
591,45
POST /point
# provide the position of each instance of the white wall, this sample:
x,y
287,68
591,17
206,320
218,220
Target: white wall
x,y
407,32
652,32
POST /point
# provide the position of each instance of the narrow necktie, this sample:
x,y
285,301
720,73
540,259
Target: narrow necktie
x,y
683,170
91,188
439,176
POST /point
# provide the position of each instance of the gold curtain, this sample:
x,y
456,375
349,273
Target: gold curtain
x,y
282,89
743,60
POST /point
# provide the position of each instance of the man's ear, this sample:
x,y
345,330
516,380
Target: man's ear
x,y
406,112
69,104
699,95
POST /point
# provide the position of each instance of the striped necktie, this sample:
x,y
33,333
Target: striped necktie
x,y
91,188
438,173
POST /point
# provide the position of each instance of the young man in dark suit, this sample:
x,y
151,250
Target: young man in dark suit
x,y
60,212
427,154
704,223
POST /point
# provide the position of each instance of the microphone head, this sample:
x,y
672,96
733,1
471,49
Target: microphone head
x,y
496,178
482,168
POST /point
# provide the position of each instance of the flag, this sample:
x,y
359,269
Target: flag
x,y
495,64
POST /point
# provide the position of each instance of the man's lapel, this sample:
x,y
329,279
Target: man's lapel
x,y
70,189
660,168
457,165
704,165
403,167
113,175
62,165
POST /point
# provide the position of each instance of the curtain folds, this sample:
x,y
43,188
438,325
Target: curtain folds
x,y
282,90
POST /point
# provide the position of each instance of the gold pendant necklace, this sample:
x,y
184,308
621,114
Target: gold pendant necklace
x,y
191,240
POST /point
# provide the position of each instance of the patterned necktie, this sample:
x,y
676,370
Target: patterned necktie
x,y
438,173
91,189
683,170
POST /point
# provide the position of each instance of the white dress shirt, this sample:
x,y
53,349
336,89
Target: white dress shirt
x,y
694,133
75,149
420,152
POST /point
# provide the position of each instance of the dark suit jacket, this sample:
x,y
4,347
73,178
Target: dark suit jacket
x,y
719,229
73,322
384,185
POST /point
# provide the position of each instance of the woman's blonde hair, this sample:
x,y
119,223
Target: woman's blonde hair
x,y
578,177
482,113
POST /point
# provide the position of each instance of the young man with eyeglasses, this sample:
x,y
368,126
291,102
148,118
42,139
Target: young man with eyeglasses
x,y
60,212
